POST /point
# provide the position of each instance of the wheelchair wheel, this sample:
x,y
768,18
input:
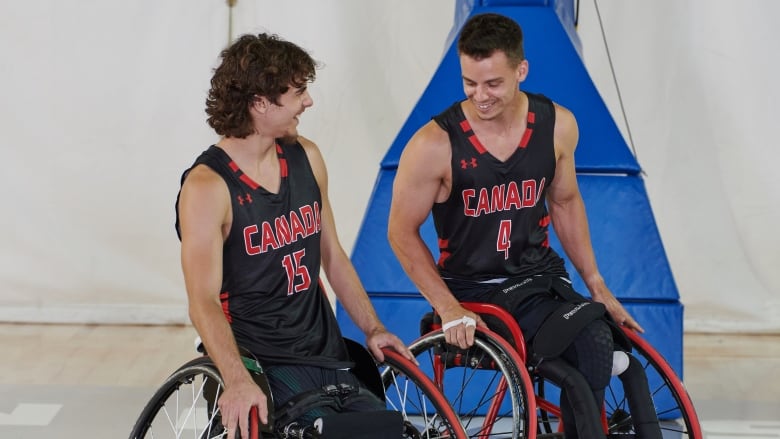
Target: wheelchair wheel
x,y
491,394
672,403
426,412
184,405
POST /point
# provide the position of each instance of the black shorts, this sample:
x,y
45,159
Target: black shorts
x,y
529,313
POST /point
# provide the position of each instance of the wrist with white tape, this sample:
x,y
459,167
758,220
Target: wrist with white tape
x,y
465,320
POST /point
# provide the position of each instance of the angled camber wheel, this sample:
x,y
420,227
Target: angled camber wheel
x,y
426,411
671,401
487,384
185,405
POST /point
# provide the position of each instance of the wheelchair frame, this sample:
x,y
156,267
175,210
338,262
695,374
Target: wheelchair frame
x,y
493,415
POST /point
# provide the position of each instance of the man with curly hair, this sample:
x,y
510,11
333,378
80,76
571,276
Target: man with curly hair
x,y
255,225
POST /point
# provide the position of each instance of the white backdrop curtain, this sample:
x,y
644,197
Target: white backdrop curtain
x,y
101,108
700,92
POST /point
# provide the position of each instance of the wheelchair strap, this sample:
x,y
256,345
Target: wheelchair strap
x,y
512,292
559,329
328,396
564,290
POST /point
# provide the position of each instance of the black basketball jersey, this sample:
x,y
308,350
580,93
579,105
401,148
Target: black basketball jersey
x,y
495,222
271,292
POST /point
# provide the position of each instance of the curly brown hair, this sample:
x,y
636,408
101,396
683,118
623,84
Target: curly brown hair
x,y
254,65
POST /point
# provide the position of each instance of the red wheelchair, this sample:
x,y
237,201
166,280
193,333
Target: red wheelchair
x,y
497,395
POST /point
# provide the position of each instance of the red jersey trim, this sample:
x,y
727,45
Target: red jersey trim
x,y
223,297
528,130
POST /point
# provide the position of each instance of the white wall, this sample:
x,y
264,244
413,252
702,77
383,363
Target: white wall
x,y
102,108
700,91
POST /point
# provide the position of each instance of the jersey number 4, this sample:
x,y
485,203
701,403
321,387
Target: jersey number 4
x,y
503,241
298,278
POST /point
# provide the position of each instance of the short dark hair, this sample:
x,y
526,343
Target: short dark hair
x,y
254,65
484,34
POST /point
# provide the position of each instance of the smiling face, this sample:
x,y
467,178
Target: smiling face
x,y
281,120
491,83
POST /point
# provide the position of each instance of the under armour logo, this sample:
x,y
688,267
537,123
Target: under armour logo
x,y
464,164
247,199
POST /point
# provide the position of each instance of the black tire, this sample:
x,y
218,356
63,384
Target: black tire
x,y
427,413
471,381
181,404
